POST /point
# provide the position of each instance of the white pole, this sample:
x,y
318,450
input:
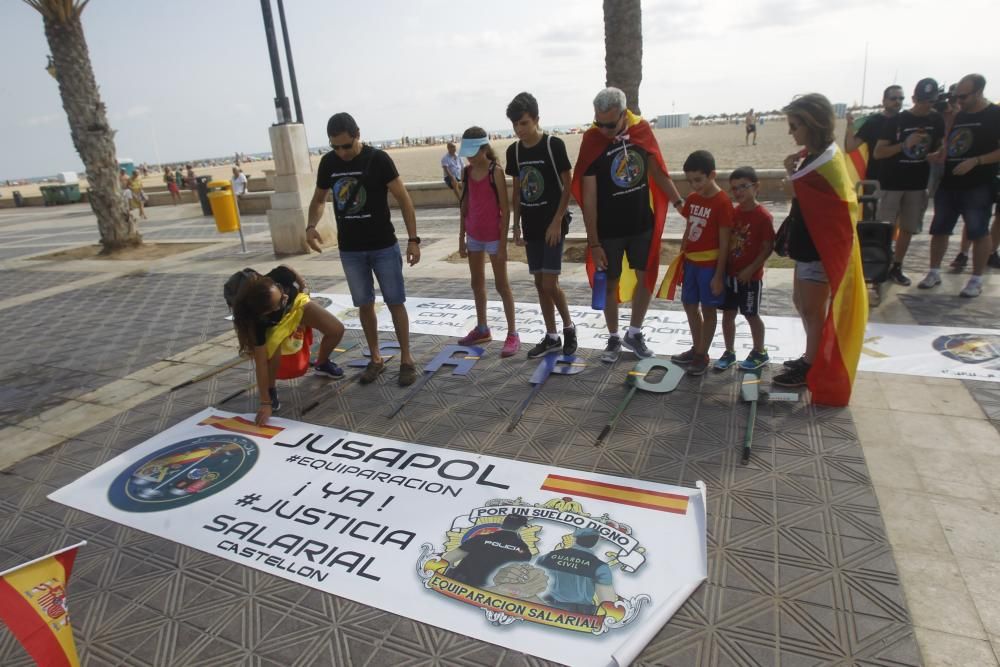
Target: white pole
x,y
39,560
864,76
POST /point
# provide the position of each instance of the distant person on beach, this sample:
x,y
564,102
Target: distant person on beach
x,y
871,129
907,140
361,178
168,178
622,184
967,187
484,219
190,181
239,181
138,199
451,165
540,167
751,125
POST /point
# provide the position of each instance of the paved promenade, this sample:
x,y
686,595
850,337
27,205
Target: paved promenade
x,y
868,535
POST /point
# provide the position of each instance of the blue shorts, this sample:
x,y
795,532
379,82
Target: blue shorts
x,y
698,286
475,245
386,265
973,205
544,258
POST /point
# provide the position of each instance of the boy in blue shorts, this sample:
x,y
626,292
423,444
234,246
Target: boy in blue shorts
x,y
705,249
750,245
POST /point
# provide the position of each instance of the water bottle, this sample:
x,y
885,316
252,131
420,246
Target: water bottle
x,y
597,299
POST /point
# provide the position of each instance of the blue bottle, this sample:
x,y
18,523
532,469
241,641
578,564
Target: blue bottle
x,y
597,299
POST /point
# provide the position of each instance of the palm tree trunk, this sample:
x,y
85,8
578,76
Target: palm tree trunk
x,y
623,48
92,136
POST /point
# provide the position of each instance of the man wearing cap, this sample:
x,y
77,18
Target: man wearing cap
x,y
475,560
907,140
451,165
973,151
871,129
578,576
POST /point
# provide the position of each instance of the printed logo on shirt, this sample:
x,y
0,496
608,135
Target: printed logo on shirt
x,y
697,220
917,149
960,141
738,240
627,168
342,188
532,184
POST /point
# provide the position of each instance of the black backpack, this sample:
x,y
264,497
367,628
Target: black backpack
x,y
234,283
493,182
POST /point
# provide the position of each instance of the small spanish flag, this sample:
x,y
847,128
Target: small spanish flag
x,y
33,605
240,425
625,495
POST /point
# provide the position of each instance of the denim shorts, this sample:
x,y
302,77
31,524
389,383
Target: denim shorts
x,y
386,265
973,205
811,271
475,245
697,286
544,258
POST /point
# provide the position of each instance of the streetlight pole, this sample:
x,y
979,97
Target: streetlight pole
x,y
281,107
291,63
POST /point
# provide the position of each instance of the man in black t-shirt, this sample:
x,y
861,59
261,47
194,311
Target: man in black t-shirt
x,y
871,130
968,186
907,140
477,558
361,178
541,171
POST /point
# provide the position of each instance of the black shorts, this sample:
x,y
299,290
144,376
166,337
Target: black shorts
x,y
449,180
751,129
636,248
743,296
544,258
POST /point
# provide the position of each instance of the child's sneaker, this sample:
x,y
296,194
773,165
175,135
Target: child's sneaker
x,y
511,345
698,365
329,369
612,350
793,377
272,393
727,359
684,358
569,340
544,346
754,361
932,279
476,336
959,263
637,344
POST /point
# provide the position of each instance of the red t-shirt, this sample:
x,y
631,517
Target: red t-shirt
x,y
751,230
705,215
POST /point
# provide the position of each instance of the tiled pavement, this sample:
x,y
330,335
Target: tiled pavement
x,y
806,552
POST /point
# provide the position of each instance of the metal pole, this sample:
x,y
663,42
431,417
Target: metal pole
x,y
291,63
239,221
280,100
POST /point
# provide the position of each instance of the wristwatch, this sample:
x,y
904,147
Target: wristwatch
x,y
679,202
414,239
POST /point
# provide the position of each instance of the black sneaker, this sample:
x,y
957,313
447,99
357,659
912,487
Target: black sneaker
x,y
272,393
994,261
960,262
684,358
793,377
544,346
698,365
612,350
329,369
796,363
569,340
897,276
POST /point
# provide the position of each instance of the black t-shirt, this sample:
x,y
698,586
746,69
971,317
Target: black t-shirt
x,y
871,132
284,279
623,207
485,553
364,222
909,170
972,135
539,179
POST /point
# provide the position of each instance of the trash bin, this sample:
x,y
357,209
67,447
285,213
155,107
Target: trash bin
x,y
201,183
54,195
220,196
18,199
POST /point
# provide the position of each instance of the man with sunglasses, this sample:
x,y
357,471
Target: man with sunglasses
x,y
968,186
361,178
871,130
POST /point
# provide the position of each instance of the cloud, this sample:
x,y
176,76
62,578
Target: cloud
x,y
42,119
137,111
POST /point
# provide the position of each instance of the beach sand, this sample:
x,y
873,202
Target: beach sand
x,y
422,163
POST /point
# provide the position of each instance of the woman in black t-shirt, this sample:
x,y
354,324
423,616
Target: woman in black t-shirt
x,y
267,310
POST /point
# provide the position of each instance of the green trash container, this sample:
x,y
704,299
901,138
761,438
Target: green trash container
x,y
54,195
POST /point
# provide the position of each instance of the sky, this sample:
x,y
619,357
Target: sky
x,y
185,79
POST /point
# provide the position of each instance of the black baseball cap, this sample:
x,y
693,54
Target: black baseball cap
x,y
927,90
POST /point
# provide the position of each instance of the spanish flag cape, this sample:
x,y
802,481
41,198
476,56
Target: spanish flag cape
x,y
857,163
830,209
594,143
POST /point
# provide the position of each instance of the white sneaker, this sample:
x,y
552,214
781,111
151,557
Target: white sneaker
x,y
930,280
972,289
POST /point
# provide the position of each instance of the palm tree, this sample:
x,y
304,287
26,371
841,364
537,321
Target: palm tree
x,y
88,120
623,48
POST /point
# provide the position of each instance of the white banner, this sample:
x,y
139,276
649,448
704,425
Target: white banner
x,y
948,352
571,566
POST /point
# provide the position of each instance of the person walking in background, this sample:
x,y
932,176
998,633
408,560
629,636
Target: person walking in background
x,y
239,181
751,126
138,199
168,178
451,165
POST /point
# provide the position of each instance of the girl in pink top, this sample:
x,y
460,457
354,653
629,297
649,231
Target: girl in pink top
x,y
485,217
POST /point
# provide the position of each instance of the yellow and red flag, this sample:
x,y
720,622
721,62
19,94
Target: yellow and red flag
x,y
616,493
593,143
857,164
33,605
240,425
830,209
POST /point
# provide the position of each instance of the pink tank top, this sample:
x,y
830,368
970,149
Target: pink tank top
x,y
482,220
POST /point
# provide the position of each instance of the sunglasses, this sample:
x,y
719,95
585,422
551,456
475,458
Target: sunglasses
x,y
341,147
609,126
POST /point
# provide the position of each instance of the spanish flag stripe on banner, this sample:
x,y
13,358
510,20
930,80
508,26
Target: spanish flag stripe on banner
x,y
241,425
857,164
37,619
830,209
626,495
641,134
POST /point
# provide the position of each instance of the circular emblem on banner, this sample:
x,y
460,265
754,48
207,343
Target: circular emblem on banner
x,y
532,184
968,348
627,168
959,142
183,473
342,188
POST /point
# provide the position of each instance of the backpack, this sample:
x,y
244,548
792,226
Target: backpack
x,y
234,283
465,182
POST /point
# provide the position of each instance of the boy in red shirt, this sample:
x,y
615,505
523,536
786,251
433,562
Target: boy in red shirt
x,y
750,245
705,248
